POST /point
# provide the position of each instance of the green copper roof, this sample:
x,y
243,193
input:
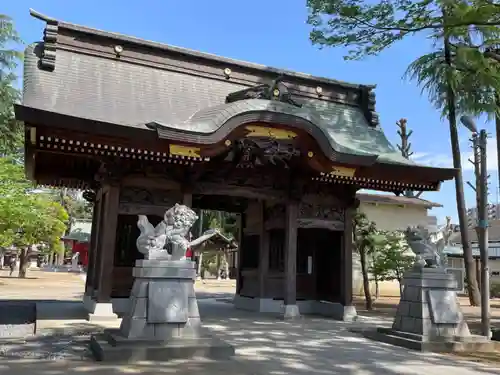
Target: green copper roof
x,y
80,231
345,127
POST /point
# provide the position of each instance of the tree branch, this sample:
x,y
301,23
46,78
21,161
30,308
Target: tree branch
x,y
421,28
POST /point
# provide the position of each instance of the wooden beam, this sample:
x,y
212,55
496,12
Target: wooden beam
x,y
346,261
151,182
263,251
292,211
91,268
206,188
187,199
110,218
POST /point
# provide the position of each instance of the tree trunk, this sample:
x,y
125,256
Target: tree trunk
x,y
470,270
23,262
377,289
400,287
497,126
200,264
226,265
366,280
218,264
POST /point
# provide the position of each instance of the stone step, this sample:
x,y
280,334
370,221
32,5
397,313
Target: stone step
x,y
408,341
406,335
391,339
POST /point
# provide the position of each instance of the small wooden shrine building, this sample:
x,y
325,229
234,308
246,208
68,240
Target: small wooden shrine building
x,y
142,125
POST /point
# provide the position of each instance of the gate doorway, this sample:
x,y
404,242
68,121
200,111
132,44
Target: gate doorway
x,y
327,248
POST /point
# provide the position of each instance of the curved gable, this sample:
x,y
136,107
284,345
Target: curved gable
x,y
339,129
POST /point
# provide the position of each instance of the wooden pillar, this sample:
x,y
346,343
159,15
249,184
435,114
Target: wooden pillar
x,y
108,236
89,281
346,260
263,251
239,277
97,255
187,199
292,210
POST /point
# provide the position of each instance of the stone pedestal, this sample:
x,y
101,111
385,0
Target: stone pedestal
x,y
429,317
291,312
163,321
429,306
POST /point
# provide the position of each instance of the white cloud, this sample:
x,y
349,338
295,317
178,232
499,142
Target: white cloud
x,y
444,160
491,155
433,159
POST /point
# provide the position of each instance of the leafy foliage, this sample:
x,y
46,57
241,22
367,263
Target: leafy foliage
x,y
368,28
392,258
364,233
27,219
10,129
364,241
228,225
460,75
73,203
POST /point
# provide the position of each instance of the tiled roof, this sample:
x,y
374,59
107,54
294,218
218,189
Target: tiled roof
x,y
393,199
493,233
101,88
80,231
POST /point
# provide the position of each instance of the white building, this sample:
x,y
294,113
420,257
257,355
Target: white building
x,y
493,214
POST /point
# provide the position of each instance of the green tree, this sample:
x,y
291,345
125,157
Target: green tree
x,y
227,224
26,219
11,130
364,234
73,203
393,259
457,74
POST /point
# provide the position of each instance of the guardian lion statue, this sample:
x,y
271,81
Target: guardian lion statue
x,y
428,246
169,239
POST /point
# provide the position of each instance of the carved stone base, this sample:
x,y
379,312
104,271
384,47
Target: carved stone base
x,y
99,311
429,305
429,317
112,347
291,312
162,313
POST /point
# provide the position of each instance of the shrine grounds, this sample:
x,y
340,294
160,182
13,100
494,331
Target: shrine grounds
x,y
264,344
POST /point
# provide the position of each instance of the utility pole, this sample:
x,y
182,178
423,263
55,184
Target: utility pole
x,y
479,143
483,231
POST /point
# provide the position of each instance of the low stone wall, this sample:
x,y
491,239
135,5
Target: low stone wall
x,y
17,319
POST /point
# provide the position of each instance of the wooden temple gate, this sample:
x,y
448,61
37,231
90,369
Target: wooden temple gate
x,y
141,126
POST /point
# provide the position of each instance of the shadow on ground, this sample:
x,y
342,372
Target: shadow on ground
x,y
264,345
386,310
14,276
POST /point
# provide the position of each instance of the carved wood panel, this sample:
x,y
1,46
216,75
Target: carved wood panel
x,y
141,196
311,215
321,212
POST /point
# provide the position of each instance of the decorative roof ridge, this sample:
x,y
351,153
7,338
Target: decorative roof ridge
x,y
190,52
48,53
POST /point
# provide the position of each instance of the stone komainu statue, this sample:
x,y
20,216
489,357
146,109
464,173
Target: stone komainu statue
x,y
168,240
427,245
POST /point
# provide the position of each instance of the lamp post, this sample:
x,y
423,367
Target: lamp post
x,y
479,142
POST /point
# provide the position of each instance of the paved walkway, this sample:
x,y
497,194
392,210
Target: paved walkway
x,y
265,345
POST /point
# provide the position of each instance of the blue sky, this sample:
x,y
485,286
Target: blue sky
x,y
275,33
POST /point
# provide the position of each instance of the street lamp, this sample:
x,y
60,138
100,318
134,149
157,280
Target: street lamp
x,y
479,142
469,123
